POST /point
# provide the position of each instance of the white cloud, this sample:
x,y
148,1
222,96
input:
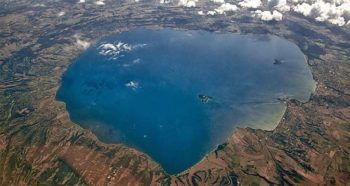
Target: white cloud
x,y
113,50
136,61
81,1
280,5
100,2
188,3
39,5
268,15
82,44
211,12
345,10
133,62
164,1
132,84
62,13
337,21
303,8
250,3
333,11
226,7
218,1
108,46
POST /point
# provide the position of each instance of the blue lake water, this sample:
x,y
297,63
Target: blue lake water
x,y
176,95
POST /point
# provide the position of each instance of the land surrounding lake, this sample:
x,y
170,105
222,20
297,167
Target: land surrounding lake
x,y
41,145
175,92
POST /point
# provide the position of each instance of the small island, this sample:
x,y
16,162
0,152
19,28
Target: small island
x,y
278,61
204,98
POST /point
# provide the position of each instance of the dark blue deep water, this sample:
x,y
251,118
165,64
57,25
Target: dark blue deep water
x,y
176,95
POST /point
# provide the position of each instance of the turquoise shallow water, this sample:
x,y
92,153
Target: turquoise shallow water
x,y
176,95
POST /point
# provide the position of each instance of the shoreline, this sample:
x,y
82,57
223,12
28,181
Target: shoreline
x,y
249,155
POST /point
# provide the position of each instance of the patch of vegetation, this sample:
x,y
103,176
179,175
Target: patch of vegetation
x,y
280,138
61,174
292,174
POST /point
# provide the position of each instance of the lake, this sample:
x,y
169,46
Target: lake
x,y
175,95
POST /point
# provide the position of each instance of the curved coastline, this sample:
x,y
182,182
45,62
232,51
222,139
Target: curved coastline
x,y
267,125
